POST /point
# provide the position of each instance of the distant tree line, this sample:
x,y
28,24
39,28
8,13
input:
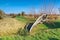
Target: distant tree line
x,y
13,15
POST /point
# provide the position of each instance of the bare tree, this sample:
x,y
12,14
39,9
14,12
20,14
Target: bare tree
x,y
48,7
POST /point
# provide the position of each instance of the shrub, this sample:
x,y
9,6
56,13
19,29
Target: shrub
x,y
18,14
1,14
22,32
22,13
1,17
13,15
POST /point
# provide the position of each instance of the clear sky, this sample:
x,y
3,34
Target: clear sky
x,y
16,6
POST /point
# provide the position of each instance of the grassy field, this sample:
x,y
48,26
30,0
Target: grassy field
x,y
43,31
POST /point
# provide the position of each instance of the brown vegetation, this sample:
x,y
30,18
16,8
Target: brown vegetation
x,y
10,26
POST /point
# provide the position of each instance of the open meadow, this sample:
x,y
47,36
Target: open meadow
x,y
29,19
40,32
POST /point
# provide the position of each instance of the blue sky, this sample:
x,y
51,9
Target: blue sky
x,y
16,6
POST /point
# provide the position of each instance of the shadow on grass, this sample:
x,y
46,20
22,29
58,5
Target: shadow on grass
x,y
49,25
54,25
53,39
28,26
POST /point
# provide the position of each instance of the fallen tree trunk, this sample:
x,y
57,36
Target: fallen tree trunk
x,y
41,19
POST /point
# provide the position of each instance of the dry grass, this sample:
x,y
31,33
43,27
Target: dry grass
x,y
10,26
59,17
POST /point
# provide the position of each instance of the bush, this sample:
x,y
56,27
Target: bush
x,y
13,15
22,32
1,17
22,13
1,14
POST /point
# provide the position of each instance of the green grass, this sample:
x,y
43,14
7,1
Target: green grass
x,y
21,18
42,26
51,34
24,19
45,32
